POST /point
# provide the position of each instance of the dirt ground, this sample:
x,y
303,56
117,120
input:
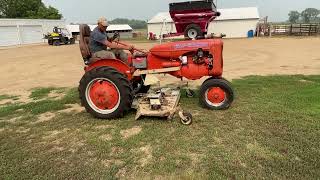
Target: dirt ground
x,y
26,67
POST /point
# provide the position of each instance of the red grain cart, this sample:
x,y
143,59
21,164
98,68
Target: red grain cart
x,y
192,18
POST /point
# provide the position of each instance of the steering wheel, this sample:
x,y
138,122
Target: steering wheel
x,y
116,36
132,51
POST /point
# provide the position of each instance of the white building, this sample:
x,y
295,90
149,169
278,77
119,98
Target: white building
x,y
235,22
124,29
26,31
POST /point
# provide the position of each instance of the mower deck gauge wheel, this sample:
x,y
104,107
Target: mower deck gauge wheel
x,y
185,118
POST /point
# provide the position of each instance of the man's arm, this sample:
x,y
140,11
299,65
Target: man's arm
x,y
114,45
104,40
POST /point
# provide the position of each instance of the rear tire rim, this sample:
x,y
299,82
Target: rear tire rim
x,y
103,96
215,96
192,33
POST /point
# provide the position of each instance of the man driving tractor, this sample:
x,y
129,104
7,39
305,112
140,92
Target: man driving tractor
x,y
103,47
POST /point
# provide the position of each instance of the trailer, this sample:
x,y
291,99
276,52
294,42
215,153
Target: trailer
x,y
192,18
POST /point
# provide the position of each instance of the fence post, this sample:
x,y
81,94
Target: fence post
x,y
309,30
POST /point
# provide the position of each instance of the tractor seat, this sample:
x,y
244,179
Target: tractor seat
x,y
85,32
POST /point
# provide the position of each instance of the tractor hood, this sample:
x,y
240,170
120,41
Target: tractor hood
x,y
176,49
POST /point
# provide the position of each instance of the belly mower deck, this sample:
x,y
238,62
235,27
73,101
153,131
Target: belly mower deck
x,y
161,103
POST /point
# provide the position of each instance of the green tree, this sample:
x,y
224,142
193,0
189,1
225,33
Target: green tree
x,y
294,16
27,9
309,15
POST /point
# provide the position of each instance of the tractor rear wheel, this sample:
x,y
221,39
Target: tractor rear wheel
x,y
105,93
216,94
193,31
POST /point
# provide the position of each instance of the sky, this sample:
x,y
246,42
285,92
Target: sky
x,y
88,11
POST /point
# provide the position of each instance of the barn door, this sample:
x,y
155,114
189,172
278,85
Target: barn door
x,y
31,34
9,35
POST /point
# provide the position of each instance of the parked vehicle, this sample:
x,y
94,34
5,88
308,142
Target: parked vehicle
x,y
59,36
192,18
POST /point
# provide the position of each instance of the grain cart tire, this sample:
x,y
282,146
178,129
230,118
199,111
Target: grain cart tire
x,y
193,31
216,94
105,93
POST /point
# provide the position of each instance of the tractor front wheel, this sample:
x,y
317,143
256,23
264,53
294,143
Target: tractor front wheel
x,y
105,93
216,94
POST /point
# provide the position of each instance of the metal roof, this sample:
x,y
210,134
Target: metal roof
x,y
118,27
112,27
226,14
73,28
239,13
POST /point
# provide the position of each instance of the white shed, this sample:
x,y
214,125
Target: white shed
x,y
235,22
26,31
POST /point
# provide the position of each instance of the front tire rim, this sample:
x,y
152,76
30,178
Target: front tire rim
x,y
215,96
192,33
103,96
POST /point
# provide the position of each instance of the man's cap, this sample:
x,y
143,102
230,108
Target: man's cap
x,y
103,21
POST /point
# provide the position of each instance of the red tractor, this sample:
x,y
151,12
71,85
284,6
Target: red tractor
x,y
108,86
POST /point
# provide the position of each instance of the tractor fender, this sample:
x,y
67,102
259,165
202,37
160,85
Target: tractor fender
x,y
114,63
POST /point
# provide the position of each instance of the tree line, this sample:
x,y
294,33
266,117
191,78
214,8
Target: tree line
x,y
36,9
309,15
33,9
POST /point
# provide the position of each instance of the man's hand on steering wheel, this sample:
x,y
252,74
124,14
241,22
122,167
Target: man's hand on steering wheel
x,y
116,36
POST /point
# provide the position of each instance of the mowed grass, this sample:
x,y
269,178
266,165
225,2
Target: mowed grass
x,y
7,97
272,131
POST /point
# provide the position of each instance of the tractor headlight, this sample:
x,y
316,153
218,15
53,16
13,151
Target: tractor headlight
x,y
184,60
